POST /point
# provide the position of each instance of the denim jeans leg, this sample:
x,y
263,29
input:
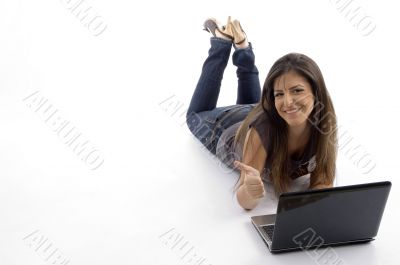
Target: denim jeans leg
x,y
249,89
206,94
208,126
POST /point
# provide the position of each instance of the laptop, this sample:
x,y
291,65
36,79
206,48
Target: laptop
x,y
324,217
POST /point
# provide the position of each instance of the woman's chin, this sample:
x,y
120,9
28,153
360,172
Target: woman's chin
x,y
296,123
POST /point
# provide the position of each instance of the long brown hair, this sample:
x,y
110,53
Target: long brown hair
x,y
322,119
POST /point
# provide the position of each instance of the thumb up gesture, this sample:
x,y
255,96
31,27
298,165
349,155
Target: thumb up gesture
x,y
252,180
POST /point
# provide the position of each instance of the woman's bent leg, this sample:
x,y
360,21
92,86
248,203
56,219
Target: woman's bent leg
x,y
207,126
249,89
206,94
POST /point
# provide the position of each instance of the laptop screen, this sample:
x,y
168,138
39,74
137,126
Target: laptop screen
x,y
333,215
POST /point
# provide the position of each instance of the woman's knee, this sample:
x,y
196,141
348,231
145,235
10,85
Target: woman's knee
x,y
192,120
197,125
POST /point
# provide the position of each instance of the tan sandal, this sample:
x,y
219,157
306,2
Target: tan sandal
x,y
239,36
211,25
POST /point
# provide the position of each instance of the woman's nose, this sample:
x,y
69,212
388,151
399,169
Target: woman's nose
x,y
288,99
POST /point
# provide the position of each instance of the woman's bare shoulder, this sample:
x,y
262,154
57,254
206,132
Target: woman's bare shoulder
x,y
254,153
254,139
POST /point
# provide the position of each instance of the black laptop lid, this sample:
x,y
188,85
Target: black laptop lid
x,y
328,216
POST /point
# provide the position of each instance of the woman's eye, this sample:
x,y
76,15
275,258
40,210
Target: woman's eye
x,y
299,90
278,95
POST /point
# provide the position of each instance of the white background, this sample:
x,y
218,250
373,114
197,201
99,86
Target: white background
x,y
156,179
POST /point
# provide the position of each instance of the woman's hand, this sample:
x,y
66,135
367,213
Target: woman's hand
x,y
252,180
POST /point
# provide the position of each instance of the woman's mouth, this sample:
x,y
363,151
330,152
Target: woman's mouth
x,y
292,111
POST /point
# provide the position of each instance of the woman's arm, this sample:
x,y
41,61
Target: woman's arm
x,y
318,183
320,186
254,155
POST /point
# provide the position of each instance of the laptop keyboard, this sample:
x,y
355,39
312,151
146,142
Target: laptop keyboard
x,y
269,230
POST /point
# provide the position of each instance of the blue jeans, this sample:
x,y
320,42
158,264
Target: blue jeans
x,y
204,119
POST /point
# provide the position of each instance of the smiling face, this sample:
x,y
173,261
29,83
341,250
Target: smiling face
x,y
294,99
